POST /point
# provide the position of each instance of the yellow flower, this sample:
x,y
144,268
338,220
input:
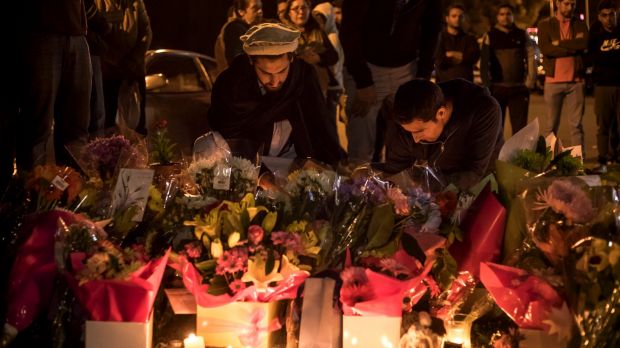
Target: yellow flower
x,y
257,274
217,249
155,203
233,239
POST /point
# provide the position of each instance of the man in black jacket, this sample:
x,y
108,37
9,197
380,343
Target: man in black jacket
x,y
386,43
454,127
604,50
507,66
274,99
457,52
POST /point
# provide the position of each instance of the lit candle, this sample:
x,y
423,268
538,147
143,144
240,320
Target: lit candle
x,y
193,341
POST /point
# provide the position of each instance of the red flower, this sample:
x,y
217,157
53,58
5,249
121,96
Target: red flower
x,y
352,294
162,124
255,234
447,202
236,286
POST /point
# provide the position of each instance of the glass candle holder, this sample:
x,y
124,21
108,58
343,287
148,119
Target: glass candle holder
x,y
458,331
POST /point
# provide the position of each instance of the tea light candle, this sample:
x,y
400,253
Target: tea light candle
x,y
193,341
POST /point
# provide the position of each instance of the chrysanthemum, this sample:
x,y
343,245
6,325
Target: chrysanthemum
x,y
567,199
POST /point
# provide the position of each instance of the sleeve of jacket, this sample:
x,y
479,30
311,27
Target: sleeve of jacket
x,y
431,27
232,44
145,34
580,42
472,50
484,134
329,57
320,124
397,154
485,60
354,15
530,51
545,43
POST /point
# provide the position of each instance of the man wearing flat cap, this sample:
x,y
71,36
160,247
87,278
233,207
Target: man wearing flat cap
x,y
270,97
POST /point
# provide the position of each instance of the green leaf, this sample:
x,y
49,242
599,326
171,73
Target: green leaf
x,y
244,221
269,222
458,233
381,226
270,263
412,247
218,286
444,269
207,266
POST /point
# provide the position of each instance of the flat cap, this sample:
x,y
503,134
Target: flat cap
x,y
270,39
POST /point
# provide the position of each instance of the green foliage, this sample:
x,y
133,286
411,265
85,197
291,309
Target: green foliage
x,y
162,147
444,269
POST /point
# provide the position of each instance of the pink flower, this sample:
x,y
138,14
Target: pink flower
x,y
291,241
400,201
231,261
255,234
354,276
352,294
236,286
193,250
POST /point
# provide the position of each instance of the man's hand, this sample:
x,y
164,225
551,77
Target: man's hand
x,y
310,57
555,43
364,99
455,55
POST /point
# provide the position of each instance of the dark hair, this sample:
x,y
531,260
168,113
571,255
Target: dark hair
x,y
417,99
240,5
453,6
231,12
506,5
606,5
337,3
280,1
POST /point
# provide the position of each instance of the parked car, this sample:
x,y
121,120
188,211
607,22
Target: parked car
x,y
178,89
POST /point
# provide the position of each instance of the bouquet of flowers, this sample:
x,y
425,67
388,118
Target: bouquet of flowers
x,y
161,146
53,186
593,285
524,156
225,169
241,257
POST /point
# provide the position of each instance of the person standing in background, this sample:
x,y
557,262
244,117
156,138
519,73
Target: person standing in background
x,y
249,13
507,67
57,80
127,42
97,29
604,51
457,52
563,40
386,43
219,51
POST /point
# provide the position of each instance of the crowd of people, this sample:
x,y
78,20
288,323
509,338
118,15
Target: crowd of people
x,y
287,82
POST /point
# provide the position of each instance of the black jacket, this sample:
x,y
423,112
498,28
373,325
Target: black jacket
x,y
507,58
604,53
471,139
447,69
374,31
233,46
239,110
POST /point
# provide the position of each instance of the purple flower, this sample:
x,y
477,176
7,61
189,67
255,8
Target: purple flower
x,y
569,200
106,152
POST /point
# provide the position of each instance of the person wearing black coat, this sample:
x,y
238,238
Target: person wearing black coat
x,y
454,127
270,97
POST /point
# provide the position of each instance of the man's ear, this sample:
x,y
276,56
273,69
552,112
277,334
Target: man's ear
x,y
440,115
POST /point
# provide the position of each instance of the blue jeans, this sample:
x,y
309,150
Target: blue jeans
x,y
56,97
568,99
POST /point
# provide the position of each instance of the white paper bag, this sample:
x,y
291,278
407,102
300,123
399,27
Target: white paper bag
x,y
526,138
224,325
320,321
370,332
119,334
